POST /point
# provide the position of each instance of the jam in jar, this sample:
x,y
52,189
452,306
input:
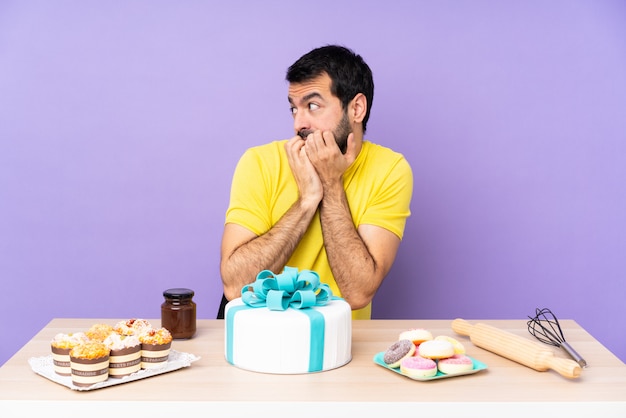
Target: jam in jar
x,y
178,313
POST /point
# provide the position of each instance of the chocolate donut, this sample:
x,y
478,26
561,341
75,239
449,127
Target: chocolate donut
x,y
398,351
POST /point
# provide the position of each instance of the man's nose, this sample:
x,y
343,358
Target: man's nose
x,y
301,122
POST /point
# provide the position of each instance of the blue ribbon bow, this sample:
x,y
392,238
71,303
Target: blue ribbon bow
x,y
288,289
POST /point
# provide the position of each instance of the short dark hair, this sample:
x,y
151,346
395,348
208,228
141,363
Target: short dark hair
x,y
348,71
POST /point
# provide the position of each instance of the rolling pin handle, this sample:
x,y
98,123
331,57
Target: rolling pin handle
x,y
565,367
461,327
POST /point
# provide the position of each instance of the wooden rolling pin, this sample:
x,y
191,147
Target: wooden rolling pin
x,y
516,348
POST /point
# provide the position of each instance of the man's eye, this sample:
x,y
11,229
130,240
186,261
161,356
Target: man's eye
x,y
313,106
293,110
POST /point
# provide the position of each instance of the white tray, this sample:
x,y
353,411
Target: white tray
x,y
44,366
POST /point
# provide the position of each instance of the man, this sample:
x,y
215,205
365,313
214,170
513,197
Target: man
x,y
325,200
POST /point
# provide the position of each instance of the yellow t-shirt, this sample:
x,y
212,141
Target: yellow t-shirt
x,y
378,185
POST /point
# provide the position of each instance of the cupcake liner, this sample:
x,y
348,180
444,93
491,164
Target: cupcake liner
x,y
125,361
154,356
61,361
86,372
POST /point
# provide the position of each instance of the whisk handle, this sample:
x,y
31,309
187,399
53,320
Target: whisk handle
x,y
573,354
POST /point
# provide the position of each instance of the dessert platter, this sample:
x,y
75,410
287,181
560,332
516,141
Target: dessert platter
x,y
420,356
476,367
106,355
44,366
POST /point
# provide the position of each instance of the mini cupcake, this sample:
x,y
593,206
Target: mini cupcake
x,y
155,348
90,363
61,345
125,355
132,327
99,332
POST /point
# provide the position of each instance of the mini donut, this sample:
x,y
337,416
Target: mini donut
x,y
417,335
436,349
458,363
398,351
458,347
418,367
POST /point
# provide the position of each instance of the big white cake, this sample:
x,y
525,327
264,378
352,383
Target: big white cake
x,y
290,341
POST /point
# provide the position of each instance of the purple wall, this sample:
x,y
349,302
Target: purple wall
x,y
121,124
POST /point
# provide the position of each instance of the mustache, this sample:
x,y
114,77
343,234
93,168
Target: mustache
x,y
304,133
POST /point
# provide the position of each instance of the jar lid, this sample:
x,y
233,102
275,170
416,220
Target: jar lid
x,y
178,292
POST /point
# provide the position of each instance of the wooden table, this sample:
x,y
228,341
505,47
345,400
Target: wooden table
x,y
213,386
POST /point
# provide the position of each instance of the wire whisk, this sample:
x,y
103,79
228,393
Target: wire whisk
x,y
545,327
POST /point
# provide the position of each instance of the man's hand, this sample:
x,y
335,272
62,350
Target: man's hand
x,y
304,172
324,154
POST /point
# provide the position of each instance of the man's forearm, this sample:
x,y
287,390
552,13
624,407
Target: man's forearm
x,y
269,251
352,265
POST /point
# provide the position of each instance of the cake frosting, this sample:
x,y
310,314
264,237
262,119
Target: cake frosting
x,y
288,324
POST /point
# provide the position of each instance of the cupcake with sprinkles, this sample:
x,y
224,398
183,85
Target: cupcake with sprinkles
x,y
89,362
132,326
155,348
125,354
99,332
61,345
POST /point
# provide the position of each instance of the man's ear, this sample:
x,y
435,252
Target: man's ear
x,y
358,108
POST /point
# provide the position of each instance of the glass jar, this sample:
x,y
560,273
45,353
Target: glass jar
x,y
178,313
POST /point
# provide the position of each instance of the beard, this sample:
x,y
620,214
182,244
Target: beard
x,y
341,133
